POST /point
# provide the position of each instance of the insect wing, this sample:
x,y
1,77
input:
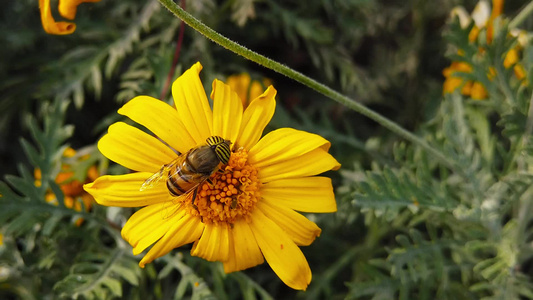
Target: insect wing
x,y
171,207
152,180
162,173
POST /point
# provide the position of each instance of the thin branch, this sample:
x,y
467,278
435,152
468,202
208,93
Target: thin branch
x,y
522,16
176,56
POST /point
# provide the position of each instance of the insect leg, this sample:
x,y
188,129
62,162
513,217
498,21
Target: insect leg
x,y
195,193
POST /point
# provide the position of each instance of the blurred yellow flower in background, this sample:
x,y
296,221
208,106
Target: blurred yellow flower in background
x,y
72,188
512,58
470,88
67,9
483,17
248,209
246,88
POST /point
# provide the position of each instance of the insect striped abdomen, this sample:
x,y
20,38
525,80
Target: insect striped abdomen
x,y
182,180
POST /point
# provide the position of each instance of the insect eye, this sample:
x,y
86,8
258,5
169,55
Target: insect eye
x,y
214,140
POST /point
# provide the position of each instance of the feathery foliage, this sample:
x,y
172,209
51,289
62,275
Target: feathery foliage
x,y
407,227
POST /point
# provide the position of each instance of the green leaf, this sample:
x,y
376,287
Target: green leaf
x,y
51,223
114,286
94,276
128,273
31,152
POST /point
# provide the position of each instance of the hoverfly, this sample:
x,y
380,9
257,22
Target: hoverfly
x,y
189,170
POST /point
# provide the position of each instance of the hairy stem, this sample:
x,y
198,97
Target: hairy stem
x,y
321,88
522,16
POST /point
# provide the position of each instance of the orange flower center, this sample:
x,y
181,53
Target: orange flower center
x,y
231,193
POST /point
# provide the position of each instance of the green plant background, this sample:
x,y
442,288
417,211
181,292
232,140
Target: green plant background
x,y
407,227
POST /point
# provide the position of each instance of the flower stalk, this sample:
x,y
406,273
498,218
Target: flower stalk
x,y
317,86
522,16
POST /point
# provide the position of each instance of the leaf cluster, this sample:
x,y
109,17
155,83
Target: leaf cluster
x,y
407,227
460,233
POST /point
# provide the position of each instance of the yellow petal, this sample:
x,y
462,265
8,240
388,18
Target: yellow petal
x,y
148,225
478,91
302,231
67,8
134,149
88,201
308,194
69,152
241,85
467,88
123,190
244,251
257,88
192,105
161,119
451,84
283,144
519,72
246,88
213,245
50,25
511,58
474,33
497,8
227,111
281,253
309,164
256,117
185,231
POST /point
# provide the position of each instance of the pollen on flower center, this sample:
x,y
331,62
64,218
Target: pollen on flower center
x,y
231,193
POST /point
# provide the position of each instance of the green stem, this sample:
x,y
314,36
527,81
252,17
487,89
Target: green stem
x,y
282,69
522,16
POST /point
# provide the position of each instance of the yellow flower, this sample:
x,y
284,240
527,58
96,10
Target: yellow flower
x,y
72,189
483,17
512,58
67,9
453,82
246,88
247,209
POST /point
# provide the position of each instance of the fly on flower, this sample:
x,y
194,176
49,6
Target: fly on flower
x,y
189,170
248,197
